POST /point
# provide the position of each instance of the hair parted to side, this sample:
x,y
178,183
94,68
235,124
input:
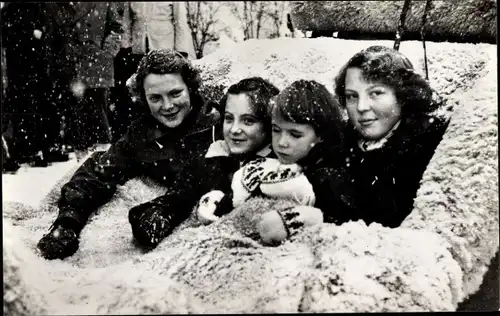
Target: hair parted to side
x,y
167,61
260,93
390,67
310,102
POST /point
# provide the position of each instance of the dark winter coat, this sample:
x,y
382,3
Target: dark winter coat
x,y
82,40
214,172
325,169
386,180
147,149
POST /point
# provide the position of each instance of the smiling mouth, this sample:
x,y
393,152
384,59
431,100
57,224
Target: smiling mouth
x,y
238,141
170,115
366,122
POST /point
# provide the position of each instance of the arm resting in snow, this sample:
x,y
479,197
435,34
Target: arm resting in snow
x,y
95,182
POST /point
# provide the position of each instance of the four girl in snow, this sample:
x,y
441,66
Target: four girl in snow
x,y
292,144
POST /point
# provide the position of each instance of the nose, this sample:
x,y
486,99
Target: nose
x,y
363,104
166,104
282,141
235,128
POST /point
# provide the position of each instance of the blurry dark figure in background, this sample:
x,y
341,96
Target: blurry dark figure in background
x,y
27,107
147,25
124,110
86,41
289,24
316,34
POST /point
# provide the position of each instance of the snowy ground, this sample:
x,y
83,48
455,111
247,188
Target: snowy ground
x,y
30,185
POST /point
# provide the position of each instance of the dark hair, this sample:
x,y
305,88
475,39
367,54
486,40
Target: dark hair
x,y
167,61
390,67
260,93
310,102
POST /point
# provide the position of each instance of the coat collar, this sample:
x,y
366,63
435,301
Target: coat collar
x,y
221,149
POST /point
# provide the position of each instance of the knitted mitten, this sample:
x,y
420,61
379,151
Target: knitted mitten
x,y
276,226
246,180
287,181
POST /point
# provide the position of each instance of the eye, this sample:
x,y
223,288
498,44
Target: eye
x,y
296,135
249,121
376,93
154,98
228,118
176,93
276,129
349,96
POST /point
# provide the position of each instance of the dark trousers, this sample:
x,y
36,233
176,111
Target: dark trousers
x,y
125,110
29,108
89,119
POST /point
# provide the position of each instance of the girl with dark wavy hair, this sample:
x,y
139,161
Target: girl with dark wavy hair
x,y
392,132
178,129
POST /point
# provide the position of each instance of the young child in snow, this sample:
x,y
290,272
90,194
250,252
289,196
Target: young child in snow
x,y
306,137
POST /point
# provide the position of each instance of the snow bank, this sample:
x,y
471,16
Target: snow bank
x,y
434,261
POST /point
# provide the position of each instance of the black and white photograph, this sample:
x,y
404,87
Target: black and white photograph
x,y
248,157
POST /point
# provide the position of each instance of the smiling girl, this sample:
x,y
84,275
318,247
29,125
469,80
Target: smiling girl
x,y
246,131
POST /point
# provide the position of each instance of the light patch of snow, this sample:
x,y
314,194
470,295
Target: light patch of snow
x,y
30,185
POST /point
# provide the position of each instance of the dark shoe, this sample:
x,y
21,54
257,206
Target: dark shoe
x,y
10,166
40,162
59,243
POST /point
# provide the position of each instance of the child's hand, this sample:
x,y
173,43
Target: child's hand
x,y
276,226
271,228
208,205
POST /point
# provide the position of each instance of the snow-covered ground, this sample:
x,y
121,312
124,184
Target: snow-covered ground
x,y
29,185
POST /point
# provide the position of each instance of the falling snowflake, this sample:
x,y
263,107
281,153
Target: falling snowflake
x,y
78,88
37,34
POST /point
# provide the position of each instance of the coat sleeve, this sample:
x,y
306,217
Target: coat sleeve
x,y
334,194
95,182
183,38
194,180
183,194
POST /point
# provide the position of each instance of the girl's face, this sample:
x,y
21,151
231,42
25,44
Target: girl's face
x,y
243,131
168,98
292,141
372,107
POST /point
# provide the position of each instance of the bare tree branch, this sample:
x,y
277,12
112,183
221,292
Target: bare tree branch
x,y
201,16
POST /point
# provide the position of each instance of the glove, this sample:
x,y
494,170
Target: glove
x,y
206,207
275,227
149,224
59,243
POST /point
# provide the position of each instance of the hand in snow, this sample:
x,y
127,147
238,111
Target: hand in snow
x,y
276,226
271,228
207,206
150,224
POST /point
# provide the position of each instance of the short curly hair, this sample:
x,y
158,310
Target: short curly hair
x,y
167,61
390,67
310,102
